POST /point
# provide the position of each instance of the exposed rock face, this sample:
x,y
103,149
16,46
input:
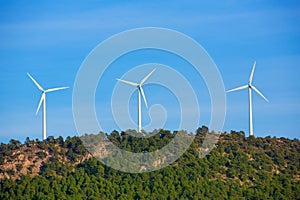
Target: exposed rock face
x,y
29,159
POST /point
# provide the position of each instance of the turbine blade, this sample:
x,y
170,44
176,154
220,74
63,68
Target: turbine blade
x,y
258,92
128,82
35,82
146,77
238,88
252,72
144,97
55,89
41,101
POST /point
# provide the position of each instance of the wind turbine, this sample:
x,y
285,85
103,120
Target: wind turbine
x,y
43,100
250,87
140,90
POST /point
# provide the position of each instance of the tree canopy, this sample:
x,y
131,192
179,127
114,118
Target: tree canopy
x,y
237,168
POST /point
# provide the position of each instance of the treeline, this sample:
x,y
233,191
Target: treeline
x,y
237,168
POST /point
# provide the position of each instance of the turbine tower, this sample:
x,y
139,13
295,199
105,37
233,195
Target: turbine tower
x,y
250,87
43,100
140,90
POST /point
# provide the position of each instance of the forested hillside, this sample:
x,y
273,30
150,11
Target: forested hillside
x,y
239,167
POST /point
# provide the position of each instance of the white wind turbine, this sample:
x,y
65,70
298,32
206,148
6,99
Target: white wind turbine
x,y
140,90
43,100
250,87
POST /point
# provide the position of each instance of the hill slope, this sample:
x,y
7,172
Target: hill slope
x,y
237,168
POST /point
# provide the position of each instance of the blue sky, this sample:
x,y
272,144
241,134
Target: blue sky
x,y
50,39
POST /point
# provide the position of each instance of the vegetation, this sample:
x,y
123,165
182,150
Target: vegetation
x,y
237,168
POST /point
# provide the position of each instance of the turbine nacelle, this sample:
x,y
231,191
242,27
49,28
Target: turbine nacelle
x,y
249,85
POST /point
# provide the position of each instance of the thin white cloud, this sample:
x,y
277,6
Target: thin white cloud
x,y
116,18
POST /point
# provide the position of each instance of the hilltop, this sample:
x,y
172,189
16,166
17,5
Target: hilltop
x,y
238,167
